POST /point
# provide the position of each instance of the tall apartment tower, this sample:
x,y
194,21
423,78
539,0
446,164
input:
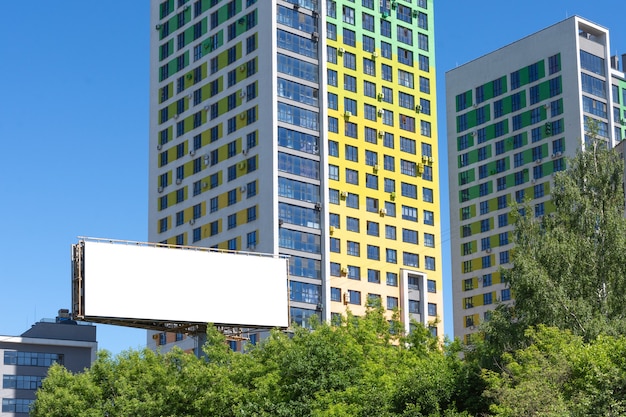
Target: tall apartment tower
x,y
305,128
513,116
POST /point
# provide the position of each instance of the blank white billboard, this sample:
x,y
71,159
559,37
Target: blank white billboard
x,y
135,281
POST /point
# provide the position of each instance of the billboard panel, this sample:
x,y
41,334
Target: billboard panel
x,y
168,284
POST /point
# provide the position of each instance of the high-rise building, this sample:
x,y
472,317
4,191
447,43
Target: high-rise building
x,y
513,116
26,358
305,128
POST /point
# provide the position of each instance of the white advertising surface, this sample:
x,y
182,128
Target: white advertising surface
x,y
129,281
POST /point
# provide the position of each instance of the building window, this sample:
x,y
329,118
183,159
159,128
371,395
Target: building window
x,y
391,256
410,259
353,248
373,276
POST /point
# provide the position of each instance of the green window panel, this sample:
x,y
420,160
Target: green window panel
x,y
206,5
490,131
468,138
464,98
222,12
472,211
466,177
472,119
166,8
472,156
167,87
172,23
525,72
507,102
170,49
488,88
544,88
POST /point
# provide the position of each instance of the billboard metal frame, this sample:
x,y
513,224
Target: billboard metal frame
x,y
179,326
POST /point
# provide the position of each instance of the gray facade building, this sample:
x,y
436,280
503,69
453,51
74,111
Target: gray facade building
x,y
26,358
513,118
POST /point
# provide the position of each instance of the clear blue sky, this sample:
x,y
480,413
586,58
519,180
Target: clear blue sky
x,y
74,130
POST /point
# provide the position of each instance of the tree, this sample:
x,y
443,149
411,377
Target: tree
x,y
569,266
360,367
559,374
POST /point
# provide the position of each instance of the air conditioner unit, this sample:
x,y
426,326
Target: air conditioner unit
x,y
207,159
241,165
474,133
244,151
424,158
205,184
418,109
159,146
376,168
176,116
315,36
344,194
381,112
480,279
243,189
348,114
430,159
533,180
488,250
381,96
415,13
318,206
157,27
393,195
192,222
179,181
242,94
381,133
189,96
160,189
558,154
332,229
344,270
382,211
192,152
206,108
242,68
374,54
242,116
553,155
340,51
346,297
537,161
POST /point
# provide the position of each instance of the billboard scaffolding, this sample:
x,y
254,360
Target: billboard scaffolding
x,y
177,288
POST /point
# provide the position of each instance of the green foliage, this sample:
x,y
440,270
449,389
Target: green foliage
x,y
570,265
358,368
558,374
